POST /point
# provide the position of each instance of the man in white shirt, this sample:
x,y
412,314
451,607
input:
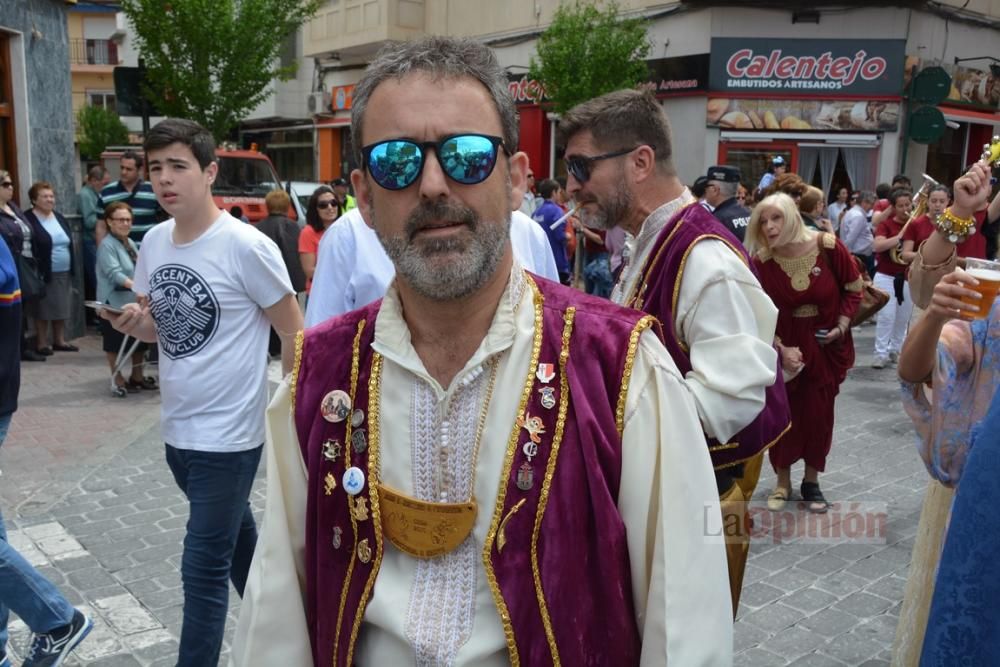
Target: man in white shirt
x,y
406,517
352,269
209,287
856,230
692,274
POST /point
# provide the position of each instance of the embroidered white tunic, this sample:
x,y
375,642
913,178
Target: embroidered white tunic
x,y
441,611
726,320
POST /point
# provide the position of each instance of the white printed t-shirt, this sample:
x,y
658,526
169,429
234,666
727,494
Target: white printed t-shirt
x,y
207,299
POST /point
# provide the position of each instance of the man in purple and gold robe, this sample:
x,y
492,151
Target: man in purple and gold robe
x,y
484,467
691,273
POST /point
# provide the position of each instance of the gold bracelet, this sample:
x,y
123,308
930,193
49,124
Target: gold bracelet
x,y
954,228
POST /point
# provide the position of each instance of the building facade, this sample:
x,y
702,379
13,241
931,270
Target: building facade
x,y
741,83
36,123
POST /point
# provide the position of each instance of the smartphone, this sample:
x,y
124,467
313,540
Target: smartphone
x,y
97,305
821,333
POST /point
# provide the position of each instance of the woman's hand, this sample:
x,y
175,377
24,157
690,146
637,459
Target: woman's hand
x,y
833,334
946,300
791,358
972,190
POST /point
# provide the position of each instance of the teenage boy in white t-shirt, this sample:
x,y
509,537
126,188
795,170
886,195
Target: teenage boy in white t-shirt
x,y
209,287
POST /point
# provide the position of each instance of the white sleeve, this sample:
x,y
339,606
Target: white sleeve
x,y
332,292
531,246
727,321
669,504
140,277
272,627
262,270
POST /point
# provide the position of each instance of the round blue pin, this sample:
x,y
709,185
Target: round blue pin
x,y
354,480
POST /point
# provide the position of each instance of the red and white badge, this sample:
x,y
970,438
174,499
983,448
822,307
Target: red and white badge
x,y
546,372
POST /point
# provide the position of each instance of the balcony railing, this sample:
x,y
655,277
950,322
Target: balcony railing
x,y
93,52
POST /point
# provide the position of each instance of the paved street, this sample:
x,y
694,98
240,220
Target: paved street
x,y
89,499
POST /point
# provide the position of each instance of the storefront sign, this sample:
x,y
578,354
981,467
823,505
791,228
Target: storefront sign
x,y
973,87
802,115
667,76
341,97
807,66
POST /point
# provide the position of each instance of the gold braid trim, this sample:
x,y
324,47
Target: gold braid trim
x,y
633,346
355,360
300,338
763,449
491,577
550,470
374,466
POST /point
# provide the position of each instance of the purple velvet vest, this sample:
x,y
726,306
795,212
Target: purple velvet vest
x,y
657,294
556,556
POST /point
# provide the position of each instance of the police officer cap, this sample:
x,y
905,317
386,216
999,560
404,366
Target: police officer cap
x,y
339,181
724,174
778,161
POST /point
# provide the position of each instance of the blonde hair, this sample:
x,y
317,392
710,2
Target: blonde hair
x,y
794,229
277,202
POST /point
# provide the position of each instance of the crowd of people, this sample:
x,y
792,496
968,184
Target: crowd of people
x,y
715,314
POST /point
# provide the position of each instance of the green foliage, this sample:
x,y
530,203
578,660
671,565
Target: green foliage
x,y
587,52
214,61
99,128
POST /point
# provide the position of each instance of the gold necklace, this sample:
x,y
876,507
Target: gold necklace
x,y
426,529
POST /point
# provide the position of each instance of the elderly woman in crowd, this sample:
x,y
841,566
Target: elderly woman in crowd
x,y
814,282
811,207
55,261
115,268
285,234
21,236
322,211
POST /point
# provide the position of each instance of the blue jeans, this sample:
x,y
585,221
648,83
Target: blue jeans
x,y
219,544
597,274
39,604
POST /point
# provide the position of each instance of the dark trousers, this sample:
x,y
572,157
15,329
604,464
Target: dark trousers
x,y
219,544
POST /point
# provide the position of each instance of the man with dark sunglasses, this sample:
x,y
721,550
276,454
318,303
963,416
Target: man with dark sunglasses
x,y
693,275
484,467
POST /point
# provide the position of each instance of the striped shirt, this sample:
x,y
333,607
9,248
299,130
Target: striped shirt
x,y
145,209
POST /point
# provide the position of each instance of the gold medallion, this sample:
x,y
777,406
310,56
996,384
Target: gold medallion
x,y
359,508
425,529
364,551
329,484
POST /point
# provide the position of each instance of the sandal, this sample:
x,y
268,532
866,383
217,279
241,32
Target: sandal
x,y
145,383
119,392
65,348
818,504
776,501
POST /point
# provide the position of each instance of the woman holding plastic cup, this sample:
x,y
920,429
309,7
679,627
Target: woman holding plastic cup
x,y
950,371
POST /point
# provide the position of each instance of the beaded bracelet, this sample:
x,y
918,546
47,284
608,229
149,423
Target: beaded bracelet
x,y
954,228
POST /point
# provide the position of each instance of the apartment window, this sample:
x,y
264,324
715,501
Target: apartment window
x,y
101,98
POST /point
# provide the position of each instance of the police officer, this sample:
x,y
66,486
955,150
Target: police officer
x,y
720,194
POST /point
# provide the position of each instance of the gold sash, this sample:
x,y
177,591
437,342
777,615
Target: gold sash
x,y
424,529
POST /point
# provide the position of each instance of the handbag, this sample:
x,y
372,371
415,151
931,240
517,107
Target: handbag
x,y
873,299
30,278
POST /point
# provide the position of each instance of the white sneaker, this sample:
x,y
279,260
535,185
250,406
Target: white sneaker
x,y
879,362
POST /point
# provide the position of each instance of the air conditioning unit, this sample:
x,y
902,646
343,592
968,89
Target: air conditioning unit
x,y
318,102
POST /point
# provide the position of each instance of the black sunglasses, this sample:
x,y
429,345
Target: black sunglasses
x,y
326,204
579,165
464,158
6,184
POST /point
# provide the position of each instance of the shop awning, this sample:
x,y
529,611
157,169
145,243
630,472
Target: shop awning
x,y
820,138
963,115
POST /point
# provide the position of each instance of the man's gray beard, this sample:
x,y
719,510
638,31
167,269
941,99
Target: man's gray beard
x,y
608,215
473,261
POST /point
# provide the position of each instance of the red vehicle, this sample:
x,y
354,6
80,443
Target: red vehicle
x,y
245,177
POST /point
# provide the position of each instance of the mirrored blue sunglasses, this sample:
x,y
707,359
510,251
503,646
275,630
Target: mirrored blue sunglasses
x,y
464,158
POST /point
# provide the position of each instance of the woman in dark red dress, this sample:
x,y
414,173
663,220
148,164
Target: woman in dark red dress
x,y
814,282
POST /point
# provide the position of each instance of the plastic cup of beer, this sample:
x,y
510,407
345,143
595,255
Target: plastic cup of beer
x,y
988,274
